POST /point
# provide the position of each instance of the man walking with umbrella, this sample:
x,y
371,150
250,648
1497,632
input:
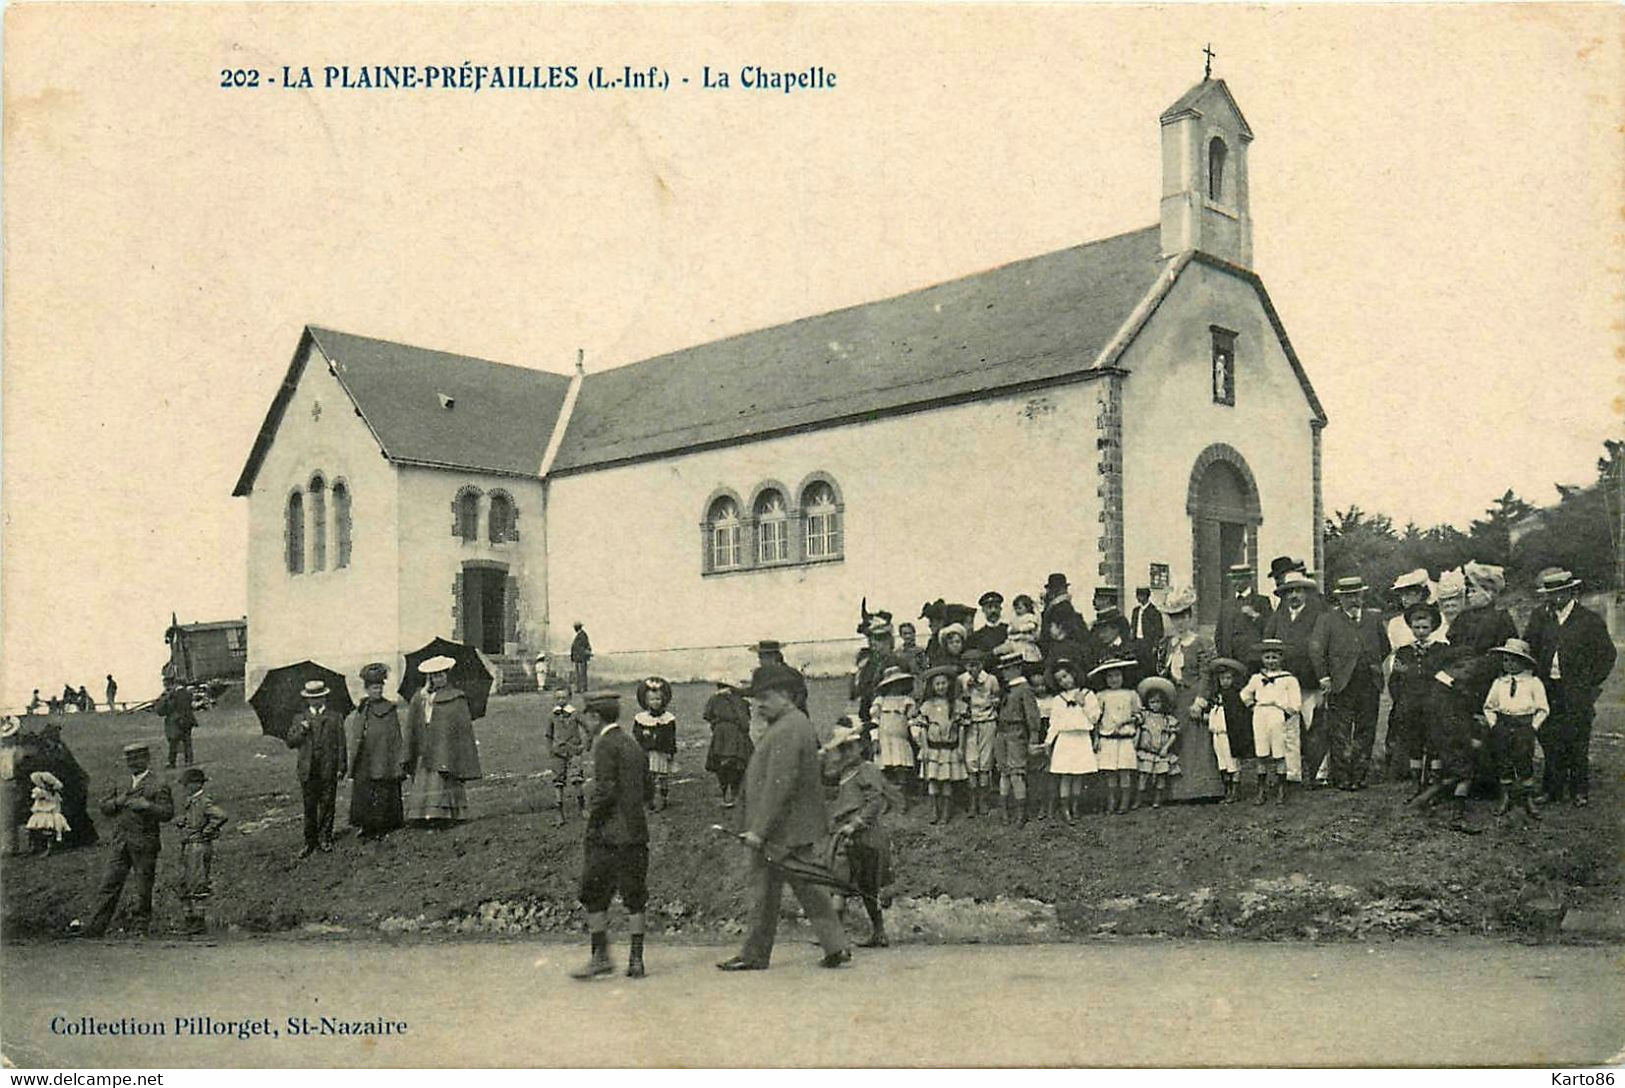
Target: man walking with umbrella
x,y
318,734
784,816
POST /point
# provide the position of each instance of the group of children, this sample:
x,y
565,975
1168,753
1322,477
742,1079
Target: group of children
x,y
975,727
654,727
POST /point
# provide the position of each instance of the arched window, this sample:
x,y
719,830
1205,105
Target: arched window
x,y
318,522
501,518
466,507
294,532
821,521
772,515
341,524
722,531
1216,152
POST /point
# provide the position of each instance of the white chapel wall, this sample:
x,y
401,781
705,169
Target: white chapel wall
x,y
1169,418
340,617
432,557
943,503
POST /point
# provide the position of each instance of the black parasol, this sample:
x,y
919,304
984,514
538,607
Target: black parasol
x,y
468,673
280,696
798,868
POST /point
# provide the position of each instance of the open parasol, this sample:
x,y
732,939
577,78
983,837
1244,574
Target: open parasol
x,y
280,695
469,673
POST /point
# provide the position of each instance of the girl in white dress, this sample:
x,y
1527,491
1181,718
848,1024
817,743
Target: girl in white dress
x,y
890,712
1074,714
46,823
1120,715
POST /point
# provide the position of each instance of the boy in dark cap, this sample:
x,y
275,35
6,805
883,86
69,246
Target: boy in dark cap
x,y
616,846
199,822
568,743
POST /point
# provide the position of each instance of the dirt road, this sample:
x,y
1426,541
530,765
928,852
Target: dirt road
x,y
1128,1003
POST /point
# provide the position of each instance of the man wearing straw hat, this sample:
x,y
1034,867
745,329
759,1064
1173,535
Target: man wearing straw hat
x,y
785,815
318,734
1348,647
1293,622
139,811
1574,655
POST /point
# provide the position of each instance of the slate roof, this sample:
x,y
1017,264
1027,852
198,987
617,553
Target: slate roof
x,y
501,420
1189,103
1030,321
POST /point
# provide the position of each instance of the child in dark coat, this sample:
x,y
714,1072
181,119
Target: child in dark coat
x,y
728,714
655,729
1230,722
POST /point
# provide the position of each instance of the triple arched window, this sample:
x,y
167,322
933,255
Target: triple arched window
x,y
308,518
777,527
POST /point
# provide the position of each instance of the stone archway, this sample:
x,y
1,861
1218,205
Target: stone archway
x,y
1223,505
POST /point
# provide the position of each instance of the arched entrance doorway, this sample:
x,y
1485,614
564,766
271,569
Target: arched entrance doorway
x,y
1225,515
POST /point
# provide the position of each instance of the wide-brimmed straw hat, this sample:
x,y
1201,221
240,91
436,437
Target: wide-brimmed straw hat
x,y
1160,684
1411,579
1179,601
1351,584
843,735
441,663
316,689
894,675
46,779
1116,663
1232,664
11,726
1515,647
1556,581
1295,581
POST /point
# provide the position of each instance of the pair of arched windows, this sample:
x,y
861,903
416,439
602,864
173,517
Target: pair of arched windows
x,y
501,516
772,532
299,513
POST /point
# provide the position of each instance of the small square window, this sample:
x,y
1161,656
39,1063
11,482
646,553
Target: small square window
x,y
1224,366
1159,576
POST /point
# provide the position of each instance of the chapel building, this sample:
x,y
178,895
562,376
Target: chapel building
x,y
1129,411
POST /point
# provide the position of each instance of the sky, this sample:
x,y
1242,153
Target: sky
x,y
1434,195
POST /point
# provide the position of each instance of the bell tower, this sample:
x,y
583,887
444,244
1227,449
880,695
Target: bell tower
x,y
1204,175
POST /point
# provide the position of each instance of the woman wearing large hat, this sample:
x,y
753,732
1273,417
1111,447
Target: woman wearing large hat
x,y
1186,659
440,748
377,758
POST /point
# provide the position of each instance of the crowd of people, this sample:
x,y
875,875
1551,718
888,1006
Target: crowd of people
x,y
79,702
1040,716
1053,716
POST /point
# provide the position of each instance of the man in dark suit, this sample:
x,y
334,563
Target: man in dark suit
x,y
580,654
1241,617
994,631
175,705
1145,624
318,734
615,848
1575,654
1293,621
139,810
1348,647
784,816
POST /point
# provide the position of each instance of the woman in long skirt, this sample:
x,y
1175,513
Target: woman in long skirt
x,y
440,748
1186,659
377,762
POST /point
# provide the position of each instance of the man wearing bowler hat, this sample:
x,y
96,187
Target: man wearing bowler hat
x,y
1348,646
318,734
139,810
784,816
1574,655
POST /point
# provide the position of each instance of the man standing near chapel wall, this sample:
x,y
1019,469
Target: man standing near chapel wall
x,y
580,654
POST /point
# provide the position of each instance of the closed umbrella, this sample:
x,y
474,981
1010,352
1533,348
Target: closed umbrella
x,y
280,697
468,673
803,869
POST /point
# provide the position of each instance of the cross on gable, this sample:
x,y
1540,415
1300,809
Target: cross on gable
x,y
1207,68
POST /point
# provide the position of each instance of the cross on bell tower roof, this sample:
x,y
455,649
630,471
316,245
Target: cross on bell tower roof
x,y
1207,68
